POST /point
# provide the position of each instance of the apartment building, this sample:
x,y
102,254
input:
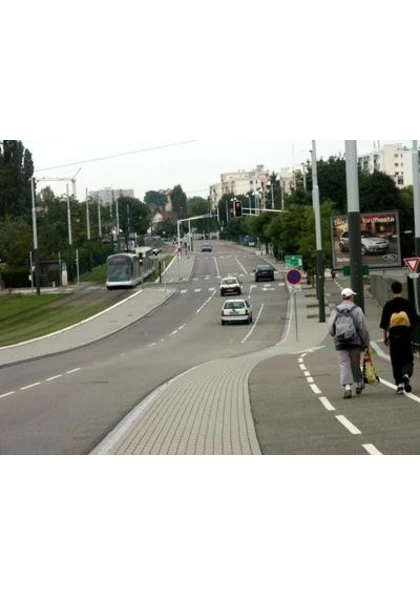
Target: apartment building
x,y
240,183
393,159
108,195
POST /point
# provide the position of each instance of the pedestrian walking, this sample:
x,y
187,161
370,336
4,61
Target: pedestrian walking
x,y
398,320
347,324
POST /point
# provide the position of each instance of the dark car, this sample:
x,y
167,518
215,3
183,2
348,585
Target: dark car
x,y
207,247
265,272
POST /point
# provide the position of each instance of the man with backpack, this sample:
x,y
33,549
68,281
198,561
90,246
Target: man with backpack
x,y
347,324
398,320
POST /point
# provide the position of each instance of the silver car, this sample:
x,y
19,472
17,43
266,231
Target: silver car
x,y
371,244
236,310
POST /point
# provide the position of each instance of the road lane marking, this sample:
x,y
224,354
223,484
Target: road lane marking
x,y
348,425
243,268
307,373
372,450
31,386
217,268
6,395
73,371
325,402
315,389
310,380
205,303
303,367
51,379
254,325
300,360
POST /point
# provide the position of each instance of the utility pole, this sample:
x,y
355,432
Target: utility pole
x,y
304,176
35,235
416,187
320,269
99,219
117,216
70,236
353,207
88,232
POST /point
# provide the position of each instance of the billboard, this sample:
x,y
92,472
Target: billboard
x,y
380,237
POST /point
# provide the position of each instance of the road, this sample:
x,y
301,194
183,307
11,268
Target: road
x,y
66,404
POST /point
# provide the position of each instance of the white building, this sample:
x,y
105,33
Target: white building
x,y
108,195
393,159
239,183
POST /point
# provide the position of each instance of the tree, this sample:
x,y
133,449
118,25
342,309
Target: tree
x,y
134,217
378,192
332,182
15,241
179,202
16,170
155,199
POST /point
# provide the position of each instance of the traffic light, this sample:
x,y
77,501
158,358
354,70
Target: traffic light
x,y
238,208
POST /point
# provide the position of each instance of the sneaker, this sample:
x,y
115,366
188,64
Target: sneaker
x,y
400,390
360,388
407,384
348,393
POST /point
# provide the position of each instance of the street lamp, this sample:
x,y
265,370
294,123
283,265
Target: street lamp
x,y
35,235
320,270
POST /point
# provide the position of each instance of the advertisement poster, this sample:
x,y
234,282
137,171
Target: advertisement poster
x,y
380,237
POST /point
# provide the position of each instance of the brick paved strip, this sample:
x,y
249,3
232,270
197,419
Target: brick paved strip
x,y
203,412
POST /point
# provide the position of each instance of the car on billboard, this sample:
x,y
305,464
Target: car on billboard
x,y
371,243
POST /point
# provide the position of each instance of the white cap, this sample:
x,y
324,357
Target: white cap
x,y
346,293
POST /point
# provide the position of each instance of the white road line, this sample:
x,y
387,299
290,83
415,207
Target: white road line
x,y
348,425
307,373
51,379
184,291
217,268
315,389
31,386
372,450
243,268
300,360
412,397
181,328
326,403
6,395
152,345
206,303
73,371
197,290
303,367
254,325
310,380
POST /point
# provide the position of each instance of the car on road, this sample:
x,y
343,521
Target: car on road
x,y
236,310
371,243
207,247
264,272
230,284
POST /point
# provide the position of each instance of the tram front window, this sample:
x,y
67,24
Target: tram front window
x,y
119,271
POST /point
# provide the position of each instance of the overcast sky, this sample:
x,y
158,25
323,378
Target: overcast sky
x,y
195,165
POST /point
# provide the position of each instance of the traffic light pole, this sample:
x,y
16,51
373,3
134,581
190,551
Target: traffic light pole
x,y
353,207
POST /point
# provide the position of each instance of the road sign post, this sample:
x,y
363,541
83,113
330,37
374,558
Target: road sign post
x,y
294,279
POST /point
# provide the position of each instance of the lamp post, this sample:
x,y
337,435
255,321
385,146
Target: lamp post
x,y
88,232
353,207
416,188
35,235
320,270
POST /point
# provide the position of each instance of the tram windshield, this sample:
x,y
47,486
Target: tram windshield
x,y
119,269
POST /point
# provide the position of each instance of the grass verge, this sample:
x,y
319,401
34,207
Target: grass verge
x,y
25,317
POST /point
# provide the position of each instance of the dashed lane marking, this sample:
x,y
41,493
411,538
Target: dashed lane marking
x,y
73,371
30,386
6,395
325,402
372,450
54,377
315,389
348,425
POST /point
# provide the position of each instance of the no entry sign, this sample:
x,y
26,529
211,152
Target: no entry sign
x,y
294,277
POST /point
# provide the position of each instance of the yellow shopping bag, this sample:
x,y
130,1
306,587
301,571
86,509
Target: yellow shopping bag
x,y
369,372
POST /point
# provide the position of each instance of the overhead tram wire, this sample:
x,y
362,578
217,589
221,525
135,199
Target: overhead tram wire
x,y
145,150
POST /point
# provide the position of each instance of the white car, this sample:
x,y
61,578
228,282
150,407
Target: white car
x,y
231,285
236,310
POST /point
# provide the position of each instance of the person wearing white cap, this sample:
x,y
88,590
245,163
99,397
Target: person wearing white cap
x,y
347,324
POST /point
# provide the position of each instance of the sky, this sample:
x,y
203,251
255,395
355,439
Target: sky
x,y
195,165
